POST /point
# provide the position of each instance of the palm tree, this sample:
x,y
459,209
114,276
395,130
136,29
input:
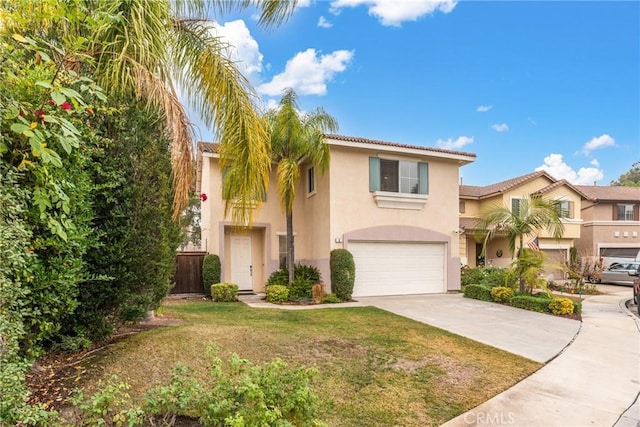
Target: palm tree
x,y
144,49
534,213
295,139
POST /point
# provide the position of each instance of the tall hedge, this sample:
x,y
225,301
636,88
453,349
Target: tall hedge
x,y
131,264
343,273
210,272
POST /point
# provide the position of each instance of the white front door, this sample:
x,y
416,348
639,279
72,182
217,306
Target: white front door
x,y
241,266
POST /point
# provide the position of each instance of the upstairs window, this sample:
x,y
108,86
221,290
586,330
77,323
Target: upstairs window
x,y
398,176
517,205
566,208
624,213
311,180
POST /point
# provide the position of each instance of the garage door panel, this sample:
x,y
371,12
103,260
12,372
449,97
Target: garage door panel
x,y
398,268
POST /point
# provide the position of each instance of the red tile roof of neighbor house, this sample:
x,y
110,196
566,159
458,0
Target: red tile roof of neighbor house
x,y
611,193
480,192
208,147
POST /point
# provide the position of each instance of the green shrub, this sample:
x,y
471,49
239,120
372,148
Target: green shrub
x,y
561,306
300,288
277,293
224,292
501,293
491,276
331,299
279,277
210,272
235,393
480,292
532,303
343,273
307,272
577,307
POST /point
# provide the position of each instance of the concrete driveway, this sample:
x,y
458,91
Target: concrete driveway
x,y
536,336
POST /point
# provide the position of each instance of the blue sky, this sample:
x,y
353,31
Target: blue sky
x,y
523,85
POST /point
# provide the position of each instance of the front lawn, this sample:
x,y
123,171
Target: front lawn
x,y
375,368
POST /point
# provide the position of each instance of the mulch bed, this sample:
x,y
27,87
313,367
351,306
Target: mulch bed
x,y
54,377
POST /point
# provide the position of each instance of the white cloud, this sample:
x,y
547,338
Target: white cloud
x,y
597,142
323,23
394,12
308,73
451,144
484,108
243,48
500,127
555,166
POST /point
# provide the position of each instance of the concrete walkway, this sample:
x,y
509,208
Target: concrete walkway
x,y
592,371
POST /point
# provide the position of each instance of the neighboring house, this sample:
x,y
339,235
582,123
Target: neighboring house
x,y
391,205
473,199
611,223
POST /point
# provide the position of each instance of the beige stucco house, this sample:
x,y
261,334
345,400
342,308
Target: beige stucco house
x,y
473,199
611,223
393,206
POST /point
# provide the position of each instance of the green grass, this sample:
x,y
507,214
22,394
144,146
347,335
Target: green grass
x,y
375,368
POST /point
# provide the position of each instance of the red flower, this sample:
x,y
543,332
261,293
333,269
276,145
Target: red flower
x,y
203,197
66,106
40,115
51,102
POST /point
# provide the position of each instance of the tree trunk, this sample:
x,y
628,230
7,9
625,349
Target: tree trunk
x,y
520,272
290,250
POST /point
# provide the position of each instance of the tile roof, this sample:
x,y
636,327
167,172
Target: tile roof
x,y
397,145
611,193
208,147
500,187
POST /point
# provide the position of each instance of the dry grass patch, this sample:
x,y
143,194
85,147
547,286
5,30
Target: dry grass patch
x,y
375,368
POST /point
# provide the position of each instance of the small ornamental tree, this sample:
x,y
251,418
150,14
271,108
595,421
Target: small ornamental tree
x,y
343,273
210,272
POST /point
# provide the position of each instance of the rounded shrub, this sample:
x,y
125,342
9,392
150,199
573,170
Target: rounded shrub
x,y
343,273
210,272
501,293
277,293
279,277
561,306
224,292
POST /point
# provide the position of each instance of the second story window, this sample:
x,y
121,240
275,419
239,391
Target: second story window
x,y
311,180
398,176
517,205
566,208
624,213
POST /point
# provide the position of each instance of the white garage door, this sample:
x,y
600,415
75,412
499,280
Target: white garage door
x,y
398,268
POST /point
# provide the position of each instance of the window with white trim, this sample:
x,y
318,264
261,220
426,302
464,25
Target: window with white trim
x,y
565,208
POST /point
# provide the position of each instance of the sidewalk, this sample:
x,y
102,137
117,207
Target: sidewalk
x,y
594,382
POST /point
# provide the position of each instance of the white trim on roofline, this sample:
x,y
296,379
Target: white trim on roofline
x,y
462,159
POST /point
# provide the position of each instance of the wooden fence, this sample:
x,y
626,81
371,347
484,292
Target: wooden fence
x,y
188,275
